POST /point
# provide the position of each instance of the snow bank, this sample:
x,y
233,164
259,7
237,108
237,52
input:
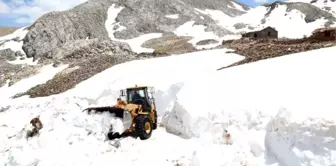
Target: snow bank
x,y
178,68
245,104
301,142
72,137
68,133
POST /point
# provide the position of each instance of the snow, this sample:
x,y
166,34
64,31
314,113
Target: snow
x,y
223,19
203,63
278,112
295,18
135,43
280,14
172,16
237,6
13,45
254,17
198,33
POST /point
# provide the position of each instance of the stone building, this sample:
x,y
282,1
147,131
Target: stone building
x,y
324,34
267,32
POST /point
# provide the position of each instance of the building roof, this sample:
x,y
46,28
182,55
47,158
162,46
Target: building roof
x,y
260,29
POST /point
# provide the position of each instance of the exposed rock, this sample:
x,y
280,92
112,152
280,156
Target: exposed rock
x,y
87,20
19,54
250,27
148,16
10,83
14,73
56,63
328,24
54,29
3,109
328,8
206,42
90,48
240,25
8,54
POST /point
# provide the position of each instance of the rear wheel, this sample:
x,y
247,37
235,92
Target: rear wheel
x,y
143,127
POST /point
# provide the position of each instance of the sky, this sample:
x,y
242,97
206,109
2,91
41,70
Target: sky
x,y
18,13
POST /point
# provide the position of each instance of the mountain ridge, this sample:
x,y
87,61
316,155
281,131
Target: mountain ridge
x,y
139,29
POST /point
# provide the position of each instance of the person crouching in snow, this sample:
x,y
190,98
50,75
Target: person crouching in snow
x,y
227,137
37,126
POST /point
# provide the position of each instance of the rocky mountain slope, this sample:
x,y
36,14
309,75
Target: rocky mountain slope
x,y
135,18
327,5
133,29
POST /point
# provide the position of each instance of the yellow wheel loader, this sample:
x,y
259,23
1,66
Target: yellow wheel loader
x,y
137,111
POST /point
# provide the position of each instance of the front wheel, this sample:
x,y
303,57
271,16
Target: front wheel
x,y
143,127
155,120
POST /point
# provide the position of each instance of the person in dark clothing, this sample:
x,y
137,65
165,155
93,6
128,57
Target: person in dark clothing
x,y
136,96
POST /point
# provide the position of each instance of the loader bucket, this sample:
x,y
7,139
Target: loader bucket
x,y
121,113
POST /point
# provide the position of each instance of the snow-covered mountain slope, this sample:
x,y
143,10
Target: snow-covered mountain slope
x,y
278,112
303,18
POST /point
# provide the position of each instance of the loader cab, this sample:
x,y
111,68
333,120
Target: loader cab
x,y
139,95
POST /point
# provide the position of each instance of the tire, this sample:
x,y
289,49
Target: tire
x,y
155,120
141,123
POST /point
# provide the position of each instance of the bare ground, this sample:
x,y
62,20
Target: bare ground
x,y
15,73
255,50
70,77
7,30
170,44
